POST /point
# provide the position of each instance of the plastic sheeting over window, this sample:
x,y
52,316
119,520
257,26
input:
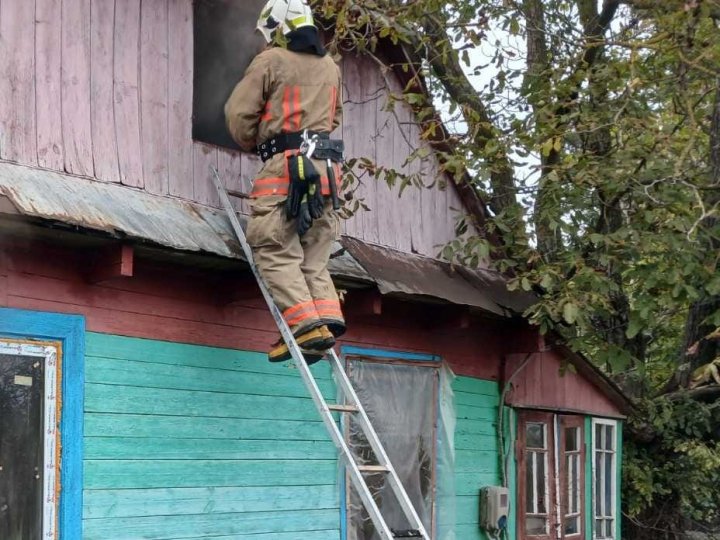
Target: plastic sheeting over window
x,y
411,408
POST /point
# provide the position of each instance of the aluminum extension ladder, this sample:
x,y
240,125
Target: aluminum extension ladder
x,y
351,406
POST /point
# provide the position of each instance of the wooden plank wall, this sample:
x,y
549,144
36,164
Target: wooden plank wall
x,y
148,402
103,89
169,303
541,385
184,441
417,219
476,451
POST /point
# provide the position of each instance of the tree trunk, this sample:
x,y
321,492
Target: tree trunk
x,y
695,329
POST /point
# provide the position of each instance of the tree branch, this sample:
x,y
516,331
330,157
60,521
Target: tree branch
x,y
446,65
665,6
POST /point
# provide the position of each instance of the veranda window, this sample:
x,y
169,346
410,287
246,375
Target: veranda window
x,y
604,478
572,469
536,484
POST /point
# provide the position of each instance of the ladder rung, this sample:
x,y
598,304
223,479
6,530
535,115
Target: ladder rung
x,y
373,468
343,408
409,533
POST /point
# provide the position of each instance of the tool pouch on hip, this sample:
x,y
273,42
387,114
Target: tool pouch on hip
x,y
305,201
332,149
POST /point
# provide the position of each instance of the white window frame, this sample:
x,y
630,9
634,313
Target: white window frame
x,y
613,496
569,477
546,485
49,355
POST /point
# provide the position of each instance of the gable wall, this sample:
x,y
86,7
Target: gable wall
x,y
547,382
103,89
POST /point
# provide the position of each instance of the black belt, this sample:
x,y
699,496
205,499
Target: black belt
x,y
325,147
285,141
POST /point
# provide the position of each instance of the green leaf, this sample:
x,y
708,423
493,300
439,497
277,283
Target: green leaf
x,y
570,312
634,327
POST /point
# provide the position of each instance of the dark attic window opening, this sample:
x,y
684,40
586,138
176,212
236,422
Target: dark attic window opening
x,y
225,41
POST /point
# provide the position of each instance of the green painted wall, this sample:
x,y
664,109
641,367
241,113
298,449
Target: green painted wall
x,y
186,442
476,452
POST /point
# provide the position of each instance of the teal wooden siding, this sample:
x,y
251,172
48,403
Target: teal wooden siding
x,y
193,442
476,452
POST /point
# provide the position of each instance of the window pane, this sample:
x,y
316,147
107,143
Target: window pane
x,y
608,528
535,525
609,434
571,439
598,528
572,525
535,434
608,484
598,435
540,479
575,506
598,484
572,484
529,475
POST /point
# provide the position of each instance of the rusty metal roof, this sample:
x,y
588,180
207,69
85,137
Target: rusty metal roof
x,y
118,210
410,275
128,213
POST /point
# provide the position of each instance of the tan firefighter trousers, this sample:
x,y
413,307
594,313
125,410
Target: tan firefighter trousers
x,y
295,269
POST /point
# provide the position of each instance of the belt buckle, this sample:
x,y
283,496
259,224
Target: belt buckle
x,y
309,142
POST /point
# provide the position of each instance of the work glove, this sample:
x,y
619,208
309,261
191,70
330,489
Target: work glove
x,y
315,200
305,201
304,219
298,188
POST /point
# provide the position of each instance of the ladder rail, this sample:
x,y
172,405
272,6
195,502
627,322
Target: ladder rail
x,y
320,403
364,421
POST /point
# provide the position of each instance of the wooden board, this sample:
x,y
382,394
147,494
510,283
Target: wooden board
x,y
76,121
205,156
230,170
105,150
48,77
302,524
126,93
360,85
180,95
17,89
125,373
107,503
154,94
160,448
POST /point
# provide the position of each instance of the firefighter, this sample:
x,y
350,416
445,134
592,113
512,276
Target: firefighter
x,y
284,108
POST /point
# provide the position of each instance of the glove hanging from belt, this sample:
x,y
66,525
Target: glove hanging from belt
x,y
305,201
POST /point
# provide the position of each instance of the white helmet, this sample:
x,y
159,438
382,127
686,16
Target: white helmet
x,y
288,15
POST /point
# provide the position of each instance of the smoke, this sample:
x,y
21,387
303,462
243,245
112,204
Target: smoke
x,y
225,43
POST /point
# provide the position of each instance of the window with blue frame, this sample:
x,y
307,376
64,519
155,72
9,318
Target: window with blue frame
x,y
41,404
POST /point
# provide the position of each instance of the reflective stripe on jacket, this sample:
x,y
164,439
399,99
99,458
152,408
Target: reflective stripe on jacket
x,y
284,92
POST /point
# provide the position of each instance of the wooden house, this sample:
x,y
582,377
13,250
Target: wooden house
x,y
135,398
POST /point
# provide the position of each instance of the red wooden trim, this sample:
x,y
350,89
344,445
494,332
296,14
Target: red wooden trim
x,y
113,262
459,318
363,302
576,421
525,417
237,290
